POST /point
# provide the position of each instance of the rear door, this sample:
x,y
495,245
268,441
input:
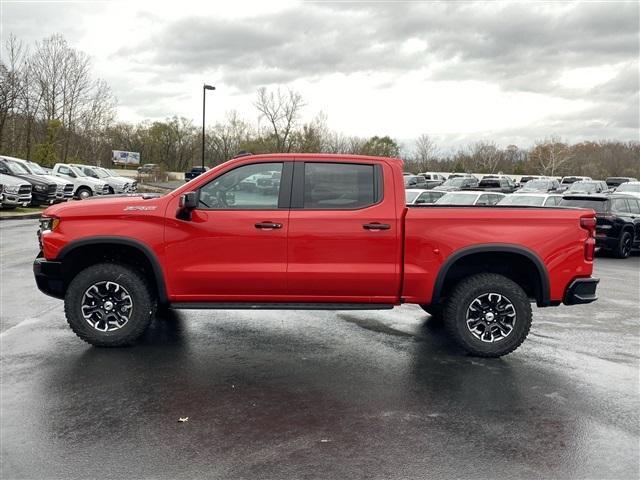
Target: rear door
x,y
344,235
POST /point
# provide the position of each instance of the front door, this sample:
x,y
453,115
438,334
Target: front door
x,y
234,247
343,234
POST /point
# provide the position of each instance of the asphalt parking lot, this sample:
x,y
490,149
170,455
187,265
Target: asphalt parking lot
x,y
335,395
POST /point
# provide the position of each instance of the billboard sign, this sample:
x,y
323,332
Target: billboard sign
x,y
125,158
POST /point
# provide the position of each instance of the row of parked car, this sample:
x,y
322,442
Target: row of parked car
x,y
616,203
24,183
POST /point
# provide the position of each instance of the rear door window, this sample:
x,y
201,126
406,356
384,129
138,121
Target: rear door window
x,y
620,205
339,186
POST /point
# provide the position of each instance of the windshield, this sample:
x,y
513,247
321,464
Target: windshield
x,y
100,172
77,171
537,184
37,169
582,187
456,199
525,200
454,182
598,205
411,196
16,168
629,187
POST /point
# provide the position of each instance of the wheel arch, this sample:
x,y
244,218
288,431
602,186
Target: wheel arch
x,y
84,252
537,287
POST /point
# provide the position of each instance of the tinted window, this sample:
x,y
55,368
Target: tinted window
x,y
597,205
338,185
620,205
250,187
490,183
634,205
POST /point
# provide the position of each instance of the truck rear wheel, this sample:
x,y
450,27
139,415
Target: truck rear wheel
x,y
488,315
109,305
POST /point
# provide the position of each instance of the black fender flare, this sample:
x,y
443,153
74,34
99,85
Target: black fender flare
x,y
114,240
543,275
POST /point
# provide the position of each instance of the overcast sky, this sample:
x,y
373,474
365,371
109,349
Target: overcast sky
x,y
512,72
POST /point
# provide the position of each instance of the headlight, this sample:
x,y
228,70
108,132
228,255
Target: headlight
x,y
12,188
40,188
48,223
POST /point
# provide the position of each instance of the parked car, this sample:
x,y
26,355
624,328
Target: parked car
x,y
115,184
588,186
16,192
43,191
84,185
531,200
540,185
497,184
432,179
64,190
615,182
194,172
468,197
460,175
480,270
618,220
527,178
133,184
414,181
629,188
458,183
149,168
567,181
419,196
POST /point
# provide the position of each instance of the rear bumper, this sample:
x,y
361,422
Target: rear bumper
x,y
581,290
49,277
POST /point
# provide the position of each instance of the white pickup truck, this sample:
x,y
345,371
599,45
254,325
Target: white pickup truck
x,y
84,186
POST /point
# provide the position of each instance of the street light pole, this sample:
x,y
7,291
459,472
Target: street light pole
x,y
205,87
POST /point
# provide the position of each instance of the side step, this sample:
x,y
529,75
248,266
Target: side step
x,y
280,306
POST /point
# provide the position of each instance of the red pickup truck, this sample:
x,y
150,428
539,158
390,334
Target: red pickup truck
x,y
305,231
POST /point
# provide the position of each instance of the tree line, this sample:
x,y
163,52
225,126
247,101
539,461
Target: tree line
x,y
53,109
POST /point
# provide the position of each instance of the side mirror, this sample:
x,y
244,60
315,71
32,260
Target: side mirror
x,y
188,201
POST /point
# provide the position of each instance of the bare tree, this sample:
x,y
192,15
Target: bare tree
x,y
486,156
426,153
281,110
12,83
549,155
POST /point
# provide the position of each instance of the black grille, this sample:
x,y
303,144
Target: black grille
x,y
52,188
25,189
68,187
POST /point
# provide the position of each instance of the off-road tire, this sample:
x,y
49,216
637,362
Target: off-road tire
x,y
624,245
136,285
465,292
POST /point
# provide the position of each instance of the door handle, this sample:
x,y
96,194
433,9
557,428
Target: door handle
x,y
268,225
376,226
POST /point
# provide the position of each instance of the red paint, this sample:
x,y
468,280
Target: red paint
x,y
322,256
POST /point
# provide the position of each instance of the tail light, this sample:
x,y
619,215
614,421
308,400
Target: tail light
x,y
589,224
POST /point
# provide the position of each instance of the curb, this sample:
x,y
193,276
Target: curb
x,y
21,217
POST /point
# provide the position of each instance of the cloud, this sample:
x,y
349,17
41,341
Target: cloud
x,y
572,66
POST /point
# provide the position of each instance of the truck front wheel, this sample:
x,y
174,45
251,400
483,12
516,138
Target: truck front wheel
x,y
488,315
109,305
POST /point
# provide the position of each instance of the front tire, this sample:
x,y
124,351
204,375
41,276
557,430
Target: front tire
x,y
488,315
84,193
109,305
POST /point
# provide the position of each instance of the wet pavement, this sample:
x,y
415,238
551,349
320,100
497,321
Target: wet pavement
x,y
336,395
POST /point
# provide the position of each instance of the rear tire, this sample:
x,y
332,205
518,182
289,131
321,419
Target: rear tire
x,y
109,305
488,315
624,245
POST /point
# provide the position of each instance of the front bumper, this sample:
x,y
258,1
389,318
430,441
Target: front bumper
x,y
49,277
43,197
15,199
581,290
